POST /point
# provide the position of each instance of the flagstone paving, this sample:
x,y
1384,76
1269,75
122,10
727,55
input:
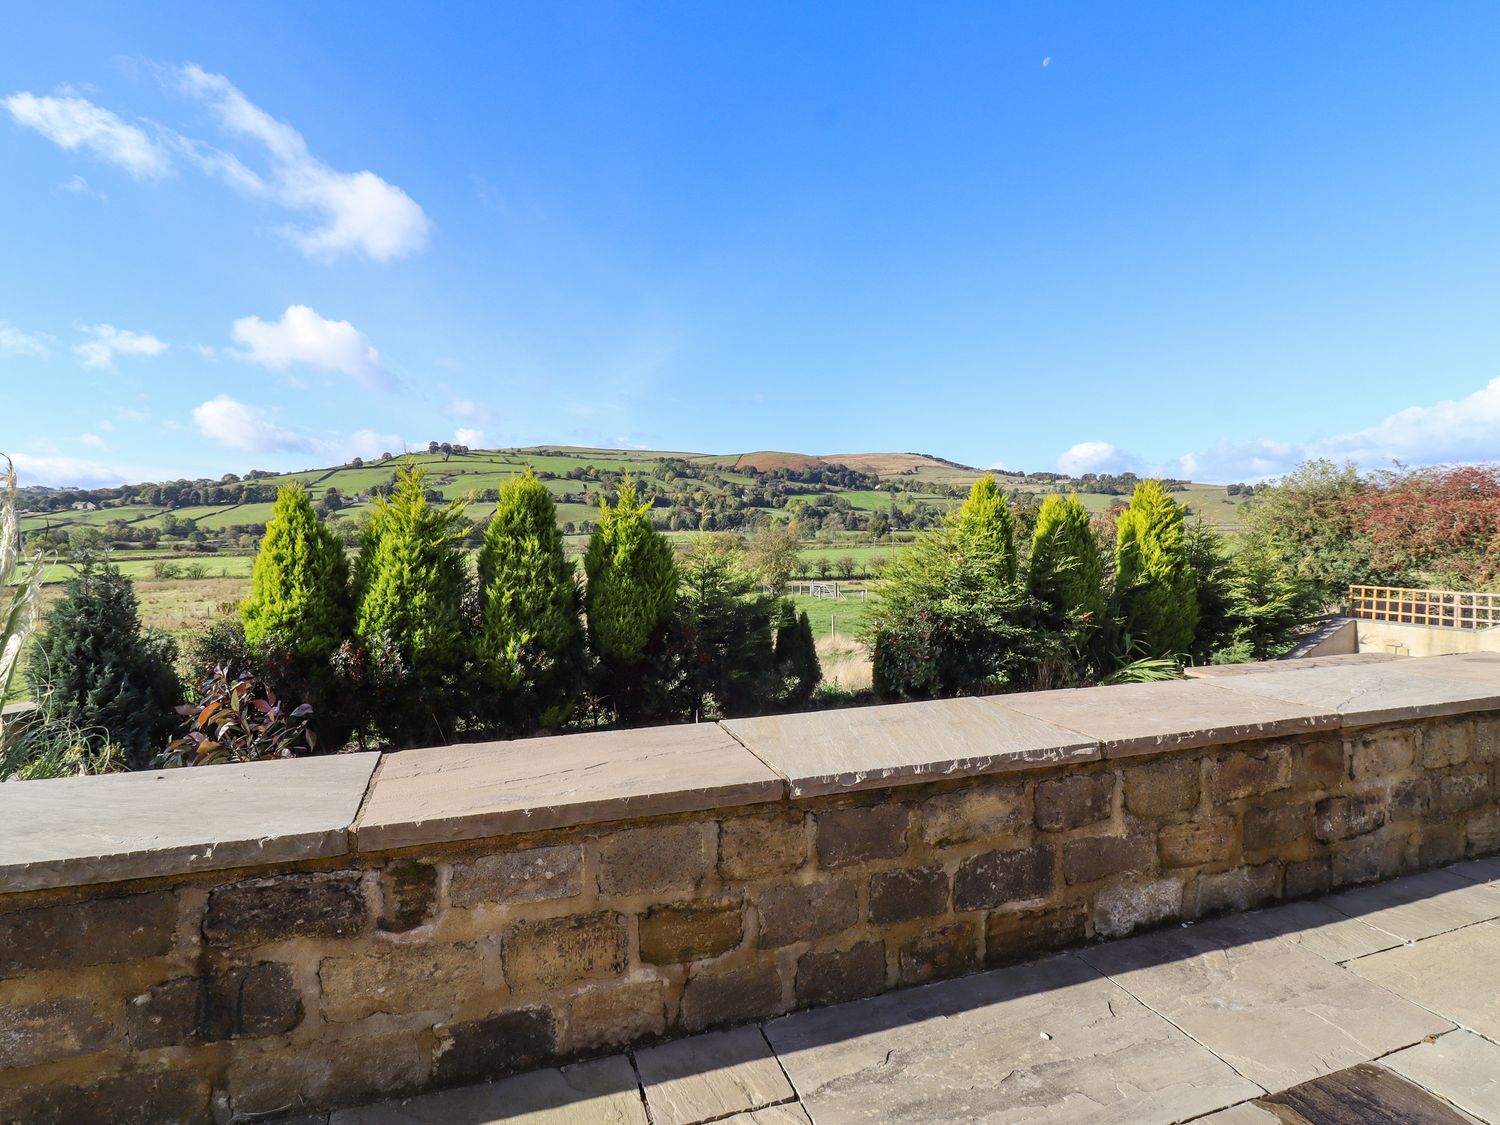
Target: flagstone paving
x,y
1375,1005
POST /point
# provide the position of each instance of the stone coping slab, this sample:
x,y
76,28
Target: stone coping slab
x,y
1128,719
905,743
1369,694
79,830
1304,664
471,791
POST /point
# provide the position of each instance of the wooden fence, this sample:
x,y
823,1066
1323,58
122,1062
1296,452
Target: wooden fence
x,y
1453,609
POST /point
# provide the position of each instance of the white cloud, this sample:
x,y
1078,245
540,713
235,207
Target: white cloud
x,y
301,336
76,123
205,351
359,211
464,436
232,423
1095,457
15,342
93,440
67,472
107,341
77,185
468,408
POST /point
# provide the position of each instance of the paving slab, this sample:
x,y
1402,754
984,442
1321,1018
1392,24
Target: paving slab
x,y
1485,870
1048,1041
1302,664
1246,1113
1455,974
600,1092
1474,667
1128,719
1419,906
1459,1066
1368,694
79,830
1278,1014
1366,1094
500,788
1318,928
773,1115
707,1077
870,747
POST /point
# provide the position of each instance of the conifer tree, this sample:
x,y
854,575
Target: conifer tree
x,y
1154,579
797,654
299,586
985,527
1067,572
531,638
630,594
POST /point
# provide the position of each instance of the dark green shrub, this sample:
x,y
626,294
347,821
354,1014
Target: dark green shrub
x,y
721,632
796,656
1155,585
299,587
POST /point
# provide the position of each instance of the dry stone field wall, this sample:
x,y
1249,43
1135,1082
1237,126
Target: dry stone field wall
x,y
471,911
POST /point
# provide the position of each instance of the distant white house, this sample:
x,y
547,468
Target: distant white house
x,y
84,506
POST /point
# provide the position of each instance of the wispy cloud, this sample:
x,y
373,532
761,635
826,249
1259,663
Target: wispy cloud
x,y
72,472
468,408
301,336
237,425
75,123
465,436
106,342
1096,457
15,342
77,185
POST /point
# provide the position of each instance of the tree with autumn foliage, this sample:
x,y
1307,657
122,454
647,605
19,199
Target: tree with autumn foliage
x,y
1437,525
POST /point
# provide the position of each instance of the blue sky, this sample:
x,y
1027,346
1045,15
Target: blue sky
x,y
1206,240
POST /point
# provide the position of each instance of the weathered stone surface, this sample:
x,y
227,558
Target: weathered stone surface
x,y
1485,870
1483,830
530,875
408,895
754,846
1209,839
48,1030
1420,906
551,952
324,904
1318,764
1277,1014
1289,664
245,1002
996,878
486,789
138,1097
399,979
100,931
990,812
1158,788
1340,818
1372,694
321,1072
1239,888
840,975
898,896
1446,744
1249,773
873,747
1461,791
1272,823
930,1054
1456,975
616,1013
494,1046
673,857
710,1077
1366,860
597,1092
1459,1066
1074,800
713,998
1309,877
1441,843
691,931
1412,798
802,913
848,836
948,951
1380,753
1122,909
82,830
1317,928
1130,719
1096,857
1020,935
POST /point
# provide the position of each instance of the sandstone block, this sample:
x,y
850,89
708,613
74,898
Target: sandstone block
x,y
651,860
948,951
1381,753
99,931
1270,824
691,931
321,1072
551,952
837,976
48,1030
789,914
1095,857
1074,800
989,813
613,1014
408,895
995,878
1318,765
897,896
1486,740
137,1097
1484,832
754,846
1461,792
847,836
530,875
1447,744
326,904
1239,888
1412,798
1339,818
1237,774
1366,862
241,1003
1441,843
1210,839
734,996
1019,935
1120,909
493,1046
399,979
1310,877
1159,788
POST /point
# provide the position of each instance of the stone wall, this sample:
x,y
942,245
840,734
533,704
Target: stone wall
x,y
359,972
